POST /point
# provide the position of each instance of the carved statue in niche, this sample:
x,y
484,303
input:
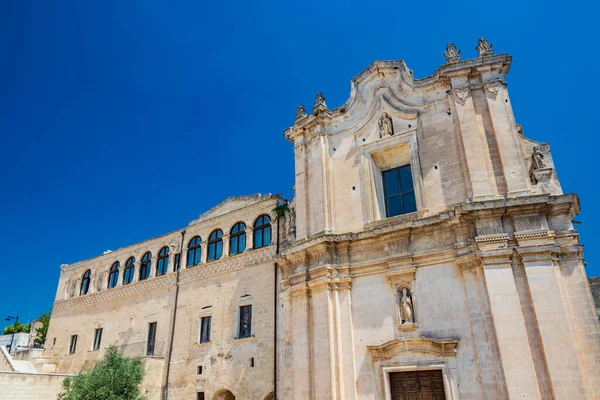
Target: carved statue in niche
x,y
537,159
406,305
386,126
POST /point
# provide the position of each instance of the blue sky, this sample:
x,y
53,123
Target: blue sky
x,y
123,120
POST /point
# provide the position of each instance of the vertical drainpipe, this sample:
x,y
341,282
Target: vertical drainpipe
x,y
166,388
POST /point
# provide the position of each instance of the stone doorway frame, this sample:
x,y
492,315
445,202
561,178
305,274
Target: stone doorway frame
x,y
449,389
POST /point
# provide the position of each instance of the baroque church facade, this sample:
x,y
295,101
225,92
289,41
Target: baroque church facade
x,y
428,253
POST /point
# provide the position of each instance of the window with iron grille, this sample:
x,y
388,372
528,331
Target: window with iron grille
x,y
205,329
97,338
73,344
245,328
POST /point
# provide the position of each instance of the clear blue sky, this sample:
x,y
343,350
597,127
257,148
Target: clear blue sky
x,y
123,120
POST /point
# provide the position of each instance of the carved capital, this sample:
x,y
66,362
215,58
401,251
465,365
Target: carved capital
x,y
469,261
492,89
462,94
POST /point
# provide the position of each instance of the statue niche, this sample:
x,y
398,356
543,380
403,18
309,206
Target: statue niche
x,y
386,127
406,308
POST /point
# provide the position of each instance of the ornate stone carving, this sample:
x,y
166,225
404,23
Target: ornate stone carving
x,y
320,104
462,94
406,305
421,344
492,89
520,130
537,159
301,112
484,49
386,126
452,54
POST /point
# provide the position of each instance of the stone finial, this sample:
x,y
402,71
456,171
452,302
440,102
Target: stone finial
x,y
452,54
320,104
484,49
301,112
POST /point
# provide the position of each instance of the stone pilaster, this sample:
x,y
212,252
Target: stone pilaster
x,y
302,354
509,324
550,313
226,242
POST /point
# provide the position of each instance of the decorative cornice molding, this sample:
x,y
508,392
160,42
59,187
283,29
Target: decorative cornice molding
x,y
420,344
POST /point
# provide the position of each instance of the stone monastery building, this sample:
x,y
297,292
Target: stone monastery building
x,y
428,254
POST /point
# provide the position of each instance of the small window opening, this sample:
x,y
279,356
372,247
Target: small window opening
x,y
199,370
252,362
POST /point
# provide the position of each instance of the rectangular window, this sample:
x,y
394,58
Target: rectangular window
x,y
200,396
177,262
151,339
97,338
73,344
205,329
398,191
245,329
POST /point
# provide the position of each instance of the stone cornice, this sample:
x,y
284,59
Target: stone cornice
x,y
420,344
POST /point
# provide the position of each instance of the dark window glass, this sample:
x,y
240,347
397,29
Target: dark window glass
x,y
398,191
145,266
177,262
200,396
73,344
215,245
113,277
205,329
194,251
151,339
262,232
97,338
237,242
163,261
245,329
85,282
129,271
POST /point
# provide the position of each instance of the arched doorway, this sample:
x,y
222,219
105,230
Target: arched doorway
x,y
224,395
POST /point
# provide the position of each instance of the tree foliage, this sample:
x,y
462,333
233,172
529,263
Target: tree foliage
x,y
113,378
17,328
43,331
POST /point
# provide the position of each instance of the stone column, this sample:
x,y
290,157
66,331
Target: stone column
x,y
509,146
552,319
249,237
509,324
302,197
153,266
203,254
345,339
225,246
136,270
475,150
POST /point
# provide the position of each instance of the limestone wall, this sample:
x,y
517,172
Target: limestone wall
x,y
595,288
23,386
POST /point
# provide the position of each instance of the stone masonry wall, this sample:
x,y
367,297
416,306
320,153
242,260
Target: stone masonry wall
x,y
23,386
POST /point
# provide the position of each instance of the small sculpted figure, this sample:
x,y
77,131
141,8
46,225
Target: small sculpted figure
x,y
385,126
406,308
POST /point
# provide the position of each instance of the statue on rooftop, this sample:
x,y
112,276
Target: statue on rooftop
x,y
301,112
320,104
452,54
537,159
484,49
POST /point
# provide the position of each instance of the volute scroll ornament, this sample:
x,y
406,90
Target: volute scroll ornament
x,y
386,126
452,54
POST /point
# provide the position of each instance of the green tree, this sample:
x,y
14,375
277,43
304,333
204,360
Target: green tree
x,y
113,378
43,331
280,213
17,328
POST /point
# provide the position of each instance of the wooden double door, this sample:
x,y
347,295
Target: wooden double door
x,y
417,385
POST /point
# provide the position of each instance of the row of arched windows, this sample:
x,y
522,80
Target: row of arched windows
x,y
237,244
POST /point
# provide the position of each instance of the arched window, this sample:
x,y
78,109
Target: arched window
x,y
145,266
113,276
85,282
237,243
194,251
129,270
262,232
215,245
163,261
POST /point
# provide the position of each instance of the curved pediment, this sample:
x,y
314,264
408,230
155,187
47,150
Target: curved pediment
x,y
231,204
419,344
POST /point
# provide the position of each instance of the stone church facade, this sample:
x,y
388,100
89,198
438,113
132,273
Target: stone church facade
x,y
428,253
